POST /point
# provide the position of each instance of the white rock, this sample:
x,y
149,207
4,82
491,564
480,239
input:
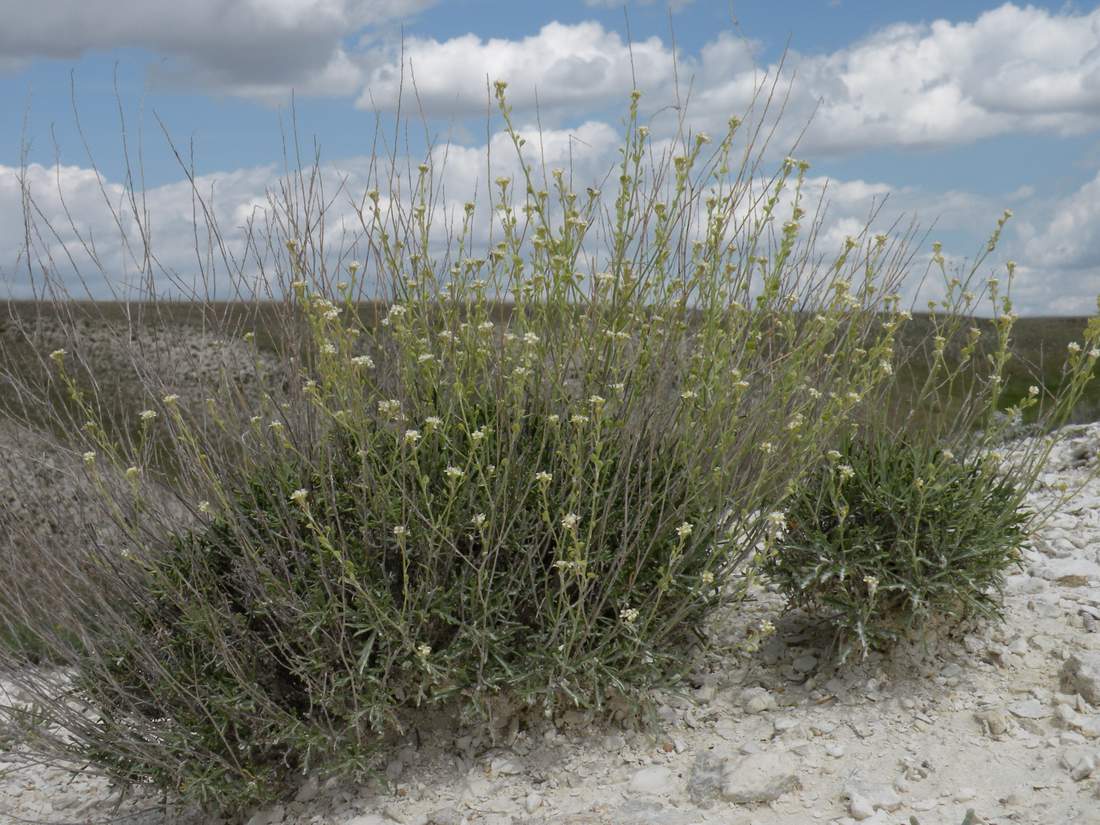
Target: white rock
x,y
653,780
762,777
880,796
860,807
1081,674
1080,762
1029,709
368,819
1069,571
757,700
505,766
532,802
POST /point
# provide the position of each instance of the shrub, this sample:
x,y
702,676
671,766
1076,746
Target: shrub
x,y
917,516
892,535
529,478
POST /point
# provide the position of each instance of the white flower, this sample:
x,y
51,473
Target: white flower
x,y
454,473
767,447
132,473
425,357
329,349
543,477
147,415
479,520
205,508
618,387
578,419
58,355
530,338
570,520
871,582
688,395
412,436
1073,347
684,530
431,422
423,651
171,399
363,361
299,496
845,471
629,615
400,531
948,455
553,419
706,577
766,628
485,326
479,434
597,400
833,455
390,408
777,521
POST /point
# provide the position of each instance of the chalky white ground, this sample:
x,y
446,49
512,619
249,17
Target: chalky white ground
x,y
1005,721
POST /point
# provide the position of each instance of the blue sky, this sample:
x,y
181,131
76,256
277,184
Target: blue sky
x,y
954,110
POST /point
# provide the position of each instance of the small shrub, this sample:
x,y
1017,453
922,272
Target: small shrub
x,y
891,536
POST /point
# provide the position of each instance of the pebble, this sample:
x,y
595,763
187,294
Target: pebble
x,y
1080,762
532,802
757,700
859,807
653,780
805,664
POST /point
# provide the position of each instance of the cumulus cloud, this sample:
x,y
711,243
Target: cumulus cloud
x,y
674,5
576,66
254,48
1070,239
1013,69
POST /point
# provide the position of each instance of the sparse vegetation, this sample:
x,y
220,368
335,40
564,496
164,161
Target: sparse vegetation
x,y
520,479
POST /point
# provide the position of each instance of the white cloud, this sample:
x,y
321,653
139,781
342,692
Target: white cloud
x,y
254,48
674,5
575,66
1011,70
1070,238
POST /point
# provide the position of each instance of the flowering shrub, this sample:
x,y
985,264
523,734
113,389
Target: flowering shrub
x,y
916,518
530,476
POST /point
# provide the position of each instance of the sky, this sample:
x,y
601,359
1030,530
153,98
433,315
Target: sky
x,y
943,112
